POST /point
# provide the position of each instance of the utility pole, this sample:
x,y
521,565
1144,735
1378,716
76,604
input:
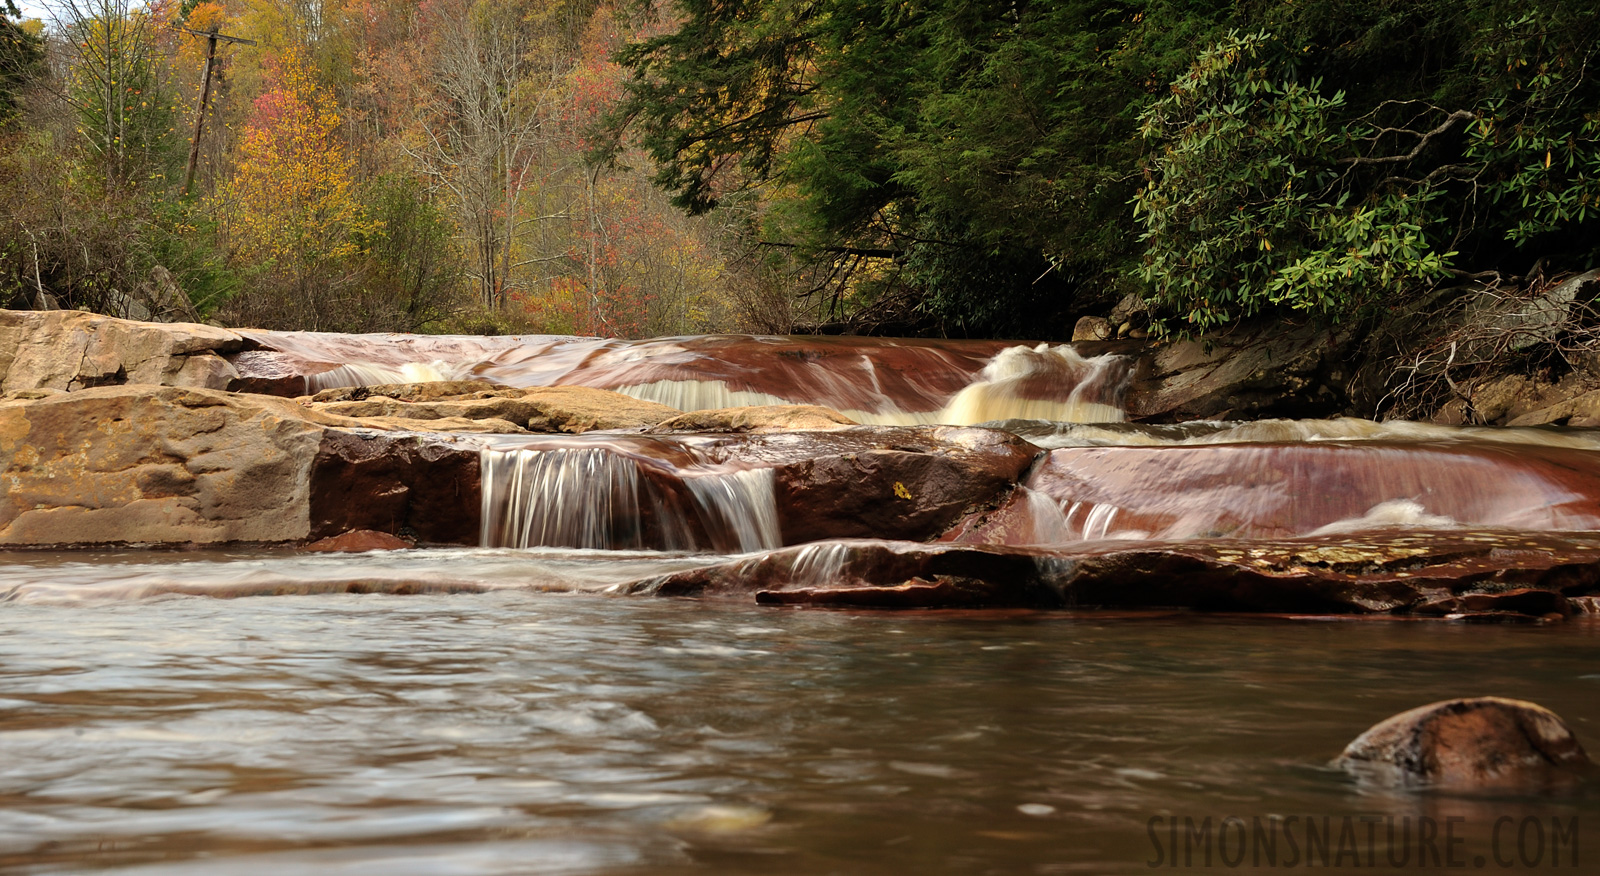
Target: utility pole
x,y
205,94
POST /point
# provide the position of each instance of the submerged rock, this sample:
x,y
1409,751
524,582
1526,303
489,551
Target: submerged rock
x,y
1485,742
358,541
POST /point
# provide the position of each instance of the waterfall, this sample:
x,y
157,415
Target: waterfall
x,y
1042,383
595,497
739,504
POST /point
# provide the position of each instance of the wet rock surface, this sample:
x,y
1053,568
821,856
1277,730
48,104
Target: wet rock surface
x,y
1276,490
1456,575
1487,743
887,482
410,485
958,516
358,541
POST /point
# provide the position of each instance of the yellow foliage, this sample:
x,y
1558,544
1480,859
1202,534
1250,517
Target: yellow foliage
x,y
290,200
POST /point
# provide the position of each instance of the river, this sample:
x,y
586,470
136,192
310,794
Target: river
x,y
503,717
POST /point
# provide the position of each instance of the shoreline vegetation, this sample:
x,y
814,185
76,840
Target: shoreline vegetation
x,y
1416,184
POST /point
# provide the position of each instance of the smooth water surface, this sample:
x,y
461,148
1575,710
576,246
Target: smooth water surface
x,y
517,731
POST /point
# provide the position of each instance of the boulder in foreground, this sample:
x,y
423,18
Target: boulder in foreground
x,y
1485,742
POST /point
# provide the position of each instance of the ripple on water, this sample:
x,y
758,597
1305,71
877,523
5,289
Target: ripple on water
x,y
514,732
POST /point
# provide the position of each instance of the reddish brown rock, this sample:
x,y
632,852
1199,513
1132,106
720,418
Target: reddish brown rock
x,y
1487,574
888,482
1293,489
872,573
843,373
1481,743
411,485
358,541
898,482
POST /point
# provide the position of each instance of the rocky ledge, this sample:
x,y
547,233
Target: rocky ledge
x,y
1481,576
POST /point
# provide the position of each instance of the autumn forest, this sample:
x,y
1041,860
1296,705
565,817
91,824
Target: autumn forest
x,y
633,168
373,165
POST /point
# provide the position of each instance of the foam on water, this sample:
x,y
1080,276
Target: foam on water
x,y
87,578
367,374
1393,514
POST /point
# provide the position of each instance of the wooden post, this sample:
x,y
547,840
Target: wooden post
x,y
205,96
200,114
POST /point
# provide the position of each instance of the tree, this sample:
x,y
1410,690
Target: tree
x,y
290,207
917,151
21,54
119,86
492,66
1455,138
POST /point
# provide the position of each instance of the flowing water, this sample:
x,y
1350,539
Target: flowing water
x,y
500,710
513,731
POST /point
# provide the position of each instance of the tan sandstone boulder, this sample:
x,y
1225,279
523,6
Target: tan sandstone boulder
x,y
71,350
154,465
570,409
170,465
757,418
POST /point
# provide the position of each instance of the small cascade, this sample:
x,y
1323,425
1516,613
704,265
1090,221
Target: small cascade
x,y
705,395
820,564
597,498
368,374
583,498
1255,491
1042,383
739,510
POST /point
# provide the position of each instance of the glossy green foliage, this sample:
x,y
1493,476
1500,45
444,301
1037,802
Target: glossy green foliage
x,y
21,55
1249,203
1329,157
